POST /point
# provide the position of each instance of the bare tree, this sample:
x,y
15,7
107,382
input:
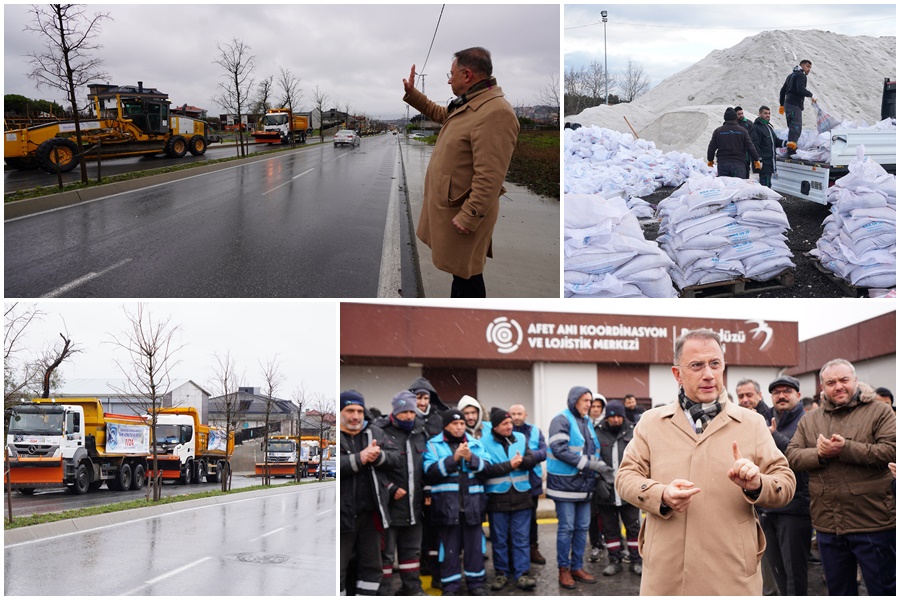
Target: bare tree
x,y
149,358
19,374
65,63
227,383
235,59
574,82
264,94
597,83
549,94
290,94
319,100
633,81
50,361
323,415
272,380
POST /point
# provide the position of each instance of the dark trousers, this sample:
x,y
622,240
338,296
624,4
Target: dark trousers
x,y
875,553
788,540
430,543
363,547
509,540
404,543
473,287
595,527
631,517
733,169
765,179
794,117
534,529
468,539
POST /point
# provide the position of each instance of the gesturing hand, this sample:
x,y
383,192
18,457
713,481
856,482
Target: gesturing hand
x,y
462,452
410,84
773,427
678,494
744,473
516,460
370,453
829,448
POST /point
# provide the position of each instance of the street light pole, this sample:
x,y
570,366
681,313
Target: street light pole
x,y
603,14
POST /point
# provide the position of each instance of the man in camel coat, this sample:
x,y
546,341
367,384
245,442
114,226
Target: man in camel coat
x,y
698,466
465,175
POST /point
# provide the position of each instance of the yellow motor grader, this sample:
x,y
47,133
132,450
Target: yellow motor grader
x,y
126,121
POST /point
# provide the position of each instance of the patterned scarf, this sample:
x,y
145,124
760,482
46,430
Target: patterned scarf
x,y
701,414
484,84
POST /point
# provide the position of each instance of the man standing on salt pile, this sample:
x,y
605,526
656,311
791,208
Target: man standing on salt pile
x,y
728,145
791,100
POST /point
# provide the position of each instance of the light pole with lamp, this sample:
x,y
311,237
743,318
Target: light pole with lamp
x,y
603,14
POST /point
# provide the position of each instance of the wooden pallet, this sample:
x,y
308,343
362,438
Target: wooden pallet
x,y
850,290
739,286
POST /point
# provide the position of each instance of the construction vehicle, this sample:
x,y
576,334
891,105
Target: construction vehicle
x,y
75,443
280,125
127,121
285,457
187,450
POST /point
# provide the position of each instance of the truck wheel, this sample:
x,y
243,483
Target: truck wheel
x,y
217,476
82,480
122,481
187,473
200,472
197,145
138,476
176,146
47,151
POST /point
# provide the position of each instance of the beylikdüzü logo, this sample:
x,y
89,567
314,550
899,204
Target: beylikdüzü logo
x,y
505,334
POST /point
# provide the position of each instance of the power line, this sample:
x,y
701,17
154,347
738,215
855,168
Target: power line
x,y
427,56
727,28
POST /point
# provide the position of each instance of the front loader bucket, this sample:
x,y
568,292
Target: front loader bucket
x,y
33,472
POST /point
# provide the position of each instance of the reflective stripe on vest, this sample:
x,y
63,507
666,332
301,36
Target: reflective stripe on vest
x,y
497,454
576,445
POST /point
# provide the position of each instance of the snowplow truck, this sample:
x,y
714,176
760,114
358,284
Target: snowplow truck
x,y
187,450
73,442
284,457
126,121
279,125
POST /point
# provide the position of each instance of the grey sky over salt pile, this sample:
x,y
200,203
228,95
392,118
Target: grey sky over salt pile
x,y
302,336
357,54
666,39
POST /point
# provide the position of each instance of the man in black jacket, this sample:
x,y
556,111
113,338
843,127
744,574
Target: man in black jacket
x,y
364,503
762,134
728,145
405,433
791,97
788,529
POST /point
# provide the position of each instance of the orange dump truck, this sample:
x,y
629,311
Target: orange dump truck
x,y
187,450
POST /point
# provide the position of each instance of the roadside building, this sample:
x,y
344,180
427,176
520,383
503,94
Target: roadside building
x,y
115,397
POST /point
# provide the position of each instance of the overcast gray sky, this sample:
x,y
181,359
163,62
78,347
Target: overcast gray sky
x,y
357,54
666,39
302,335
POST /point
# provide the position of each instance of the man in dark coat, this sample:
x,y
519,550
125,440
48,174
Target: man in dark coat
x,y
404,433
791,97
762,134
788,529
749,395
364,501
728,146
633,412
509,500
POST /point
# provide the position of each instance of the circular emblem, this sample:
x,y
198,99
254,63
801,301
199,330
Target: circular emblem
x,y
505,334
32,450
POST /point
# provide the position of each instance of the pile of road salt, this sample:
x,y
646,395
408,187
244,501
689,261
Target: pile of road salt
x,y
859,242
720,229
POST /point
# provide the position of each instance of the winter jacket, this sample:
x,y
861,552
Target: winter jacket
x,y
508,490
612,449
457,490
479,429
785,427
574,456
714,547
729,143
464,179
794,89
849,493
432,418
765,410
746,124
762,134
538,446
410,474
632,414
354,474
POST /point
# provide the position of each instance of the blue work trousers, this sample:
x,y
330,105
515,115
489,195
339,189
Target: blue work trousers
x,y
511,530
571,533
875,553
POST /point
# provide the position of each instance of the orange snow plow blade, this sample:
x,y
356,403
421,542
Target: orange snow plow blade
x,y
287,469
34,472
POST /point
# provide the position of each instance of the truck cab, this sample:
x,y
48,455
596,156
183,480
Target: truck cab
x,y
280,451
45,430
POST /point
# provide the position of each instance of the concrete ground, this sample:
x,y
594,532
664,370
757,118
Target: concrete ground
x,y
526,238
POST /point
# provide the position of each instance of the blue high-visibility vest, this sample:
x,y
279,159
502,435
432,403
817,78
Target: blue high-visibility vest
x,y
517,478
576,445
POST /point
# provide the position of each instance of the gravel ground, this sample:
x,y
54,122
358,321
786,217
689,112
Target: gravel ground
x,y
806,219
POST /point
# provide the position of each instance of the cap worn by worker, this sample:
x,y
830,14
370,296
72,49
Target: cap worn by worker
x,y
498,415
785,380
452,415
730,114
615,408
402,402
352,397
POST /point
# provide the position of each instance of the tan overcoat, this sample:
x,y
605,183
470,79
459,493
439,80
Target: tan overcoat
x,y
465,178
714,547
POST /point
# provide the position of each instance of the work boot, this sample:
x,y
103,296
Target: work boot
x,y
536,557
637,567
595,554
565,578
615,566
526,583
583,576
499,582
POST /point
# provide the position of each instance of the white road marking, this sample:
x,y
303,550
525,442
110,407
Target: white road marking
x,y
150,582
256,539
290,180
84,279
324,512
389,281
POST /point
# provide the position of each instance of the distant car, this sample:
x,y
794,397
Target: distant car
x,y
416,136
346,136
331,468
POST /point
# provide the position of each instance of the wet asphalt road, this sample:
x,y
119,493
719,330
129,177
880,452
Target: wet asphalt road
x,y
278,544
308,223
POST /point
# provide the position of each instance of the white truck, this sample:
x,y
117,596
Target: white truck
x,y
188,450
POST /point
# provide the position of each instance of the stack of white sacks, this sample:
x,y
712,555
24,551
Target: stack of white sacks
x,y
859,242
719,229
606,255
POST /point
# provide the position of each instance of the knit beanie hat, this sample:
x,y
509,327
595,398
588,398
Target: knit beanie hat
x,y
452,415
352,397
498,415
615,408
730,114
402,402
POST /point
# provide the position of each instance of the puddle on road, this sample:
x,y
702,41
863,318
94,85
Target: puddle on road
x,y
259,558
